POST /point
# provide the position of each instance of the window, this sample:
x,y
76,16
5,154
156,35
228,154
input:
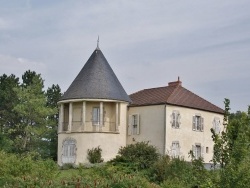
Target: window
x,y
96,116
134,124
216,125
207,149
69,151
175,149
175,120
198,123
197,151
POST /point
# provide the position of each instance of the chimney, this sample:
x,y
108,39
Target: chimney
x,y
176,83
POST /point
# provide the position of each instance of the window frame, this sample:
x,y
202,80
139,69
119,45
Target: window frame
x,y
69,150
217,125
175,119
175,149
198,154
198,123
134,124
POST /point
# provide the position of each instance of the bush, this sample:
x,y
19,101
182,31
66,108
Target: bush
x,y
18,170
95,155
140,155
166,169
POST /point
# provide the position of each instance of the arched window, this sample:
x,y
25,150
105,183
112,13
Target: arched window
x,y
69,150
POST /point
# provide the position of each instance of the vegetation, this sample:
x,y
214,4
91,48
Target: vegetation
x,y
95,155
139,156
28,115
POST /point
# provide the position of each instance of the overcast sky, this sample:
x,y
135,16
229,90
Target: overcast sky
x,y
147,43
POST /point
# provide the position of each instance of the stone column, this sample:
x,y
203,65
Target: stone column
x,y
70,117
61,118
83,114
117,117
101,116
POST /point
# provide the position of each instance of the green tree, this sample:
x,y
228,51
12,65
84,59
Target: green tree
x,y
8,100
53,95
34,113
231,149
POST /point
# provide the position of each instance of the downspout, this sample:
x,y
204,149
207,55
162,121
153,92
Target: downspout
x,y
165,123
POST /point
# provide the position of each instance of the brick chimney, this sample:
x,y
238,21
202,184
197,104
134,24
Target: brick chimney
x,y
176,83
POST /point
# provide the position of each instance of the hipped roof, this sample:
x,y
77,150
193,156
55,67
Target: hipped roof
x,y
96,80
173,94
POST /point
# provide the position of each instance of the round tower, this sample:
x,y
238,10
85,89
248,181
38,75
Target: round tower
x,y
93,112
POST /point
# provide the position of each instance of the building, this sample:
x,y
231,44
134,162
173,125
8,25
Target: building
x,y
96,111
175,120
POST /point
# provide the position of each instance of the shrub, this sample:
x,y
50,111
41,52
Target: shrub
x,y
140,155
166,169
95,155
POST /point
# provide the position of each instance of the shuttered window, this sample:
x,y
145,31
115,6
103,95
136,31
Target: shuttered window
x,y
175,119
198,123
198,151
175,149
216,125
69,151
134,124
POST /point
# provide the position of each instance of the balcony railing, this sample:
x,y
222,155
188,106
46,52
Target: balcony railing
x,y
90,126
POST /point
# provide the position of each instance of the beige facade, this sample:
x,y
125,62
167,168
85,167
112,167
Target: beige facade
x,y
86,124
175,135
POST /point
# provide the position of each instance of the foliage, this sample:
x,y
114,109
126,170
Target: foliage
x,y
95,155
22,169
139,156
231,149
8,98
28,115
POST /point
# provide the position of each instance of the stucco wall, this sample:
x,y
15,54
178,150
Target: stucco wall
x,y
108,142
186,135
151,125
153,120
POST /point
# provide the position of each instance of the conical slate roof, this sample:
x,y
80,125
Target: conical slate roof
x,y
96,80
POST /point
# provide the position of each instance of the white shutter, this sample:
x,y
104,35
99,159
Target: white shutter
x,y
130,124
194,128
202,123
138,124
178,123
202,151
174,119
194,150
173,151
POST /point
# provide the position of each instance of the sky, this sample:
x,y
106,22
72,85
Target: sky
x,y
147,43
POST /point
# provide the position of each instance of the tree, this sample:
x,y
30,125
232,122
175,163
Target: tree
x,y
8,100
34,113
53,95
231,149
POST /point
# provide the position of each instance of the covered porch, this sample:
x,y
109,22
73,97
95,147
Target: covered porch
x,y
89,116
